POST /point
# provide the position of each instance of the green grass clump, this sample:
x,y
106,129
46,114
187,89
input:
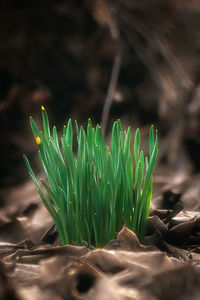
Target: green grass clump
x,y
92,193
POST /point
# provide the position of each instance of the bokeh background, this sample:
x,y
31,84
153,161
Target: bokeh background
x,y
60,54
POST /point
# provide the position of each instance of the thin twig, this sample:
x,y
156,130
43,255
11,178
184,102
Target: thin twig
x,y
111,90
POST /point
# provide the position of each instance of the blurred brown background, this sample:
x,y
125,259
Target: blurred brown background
x,y
60,54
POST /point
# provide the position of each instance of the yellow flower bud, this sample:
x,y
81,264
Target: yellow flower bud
x,y
42,107
38,140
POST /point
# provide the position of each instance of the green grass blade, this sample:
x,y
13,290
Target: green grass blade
x,y
45,122
69,134
34,127
137,146
145,201
151,140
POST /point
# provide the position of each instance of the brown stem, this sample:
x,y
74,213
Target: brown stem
x,y
111,90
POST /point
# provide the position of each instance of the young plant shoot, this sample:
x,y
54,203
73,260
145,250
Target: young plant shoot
x,y
90,193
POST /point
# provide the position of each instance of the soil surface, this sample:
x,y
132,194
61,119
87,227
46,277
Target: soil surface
x,y
60,54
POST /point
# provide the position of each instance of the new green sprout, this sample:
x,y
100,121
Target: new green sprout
x,y
92,192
